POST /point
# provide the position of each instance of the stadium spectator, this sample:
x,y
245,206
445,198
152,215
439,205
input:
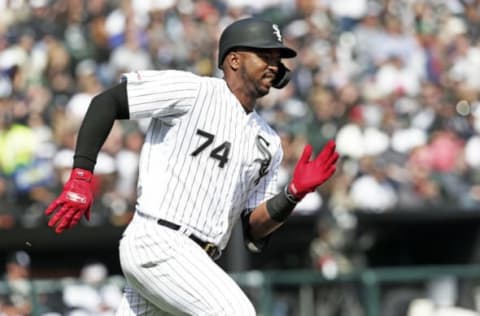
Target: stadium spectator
x,y
20,296
93,294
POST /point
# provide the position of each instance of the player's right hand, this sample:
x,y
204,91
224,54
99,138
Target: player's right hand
x,y
309,174
74,201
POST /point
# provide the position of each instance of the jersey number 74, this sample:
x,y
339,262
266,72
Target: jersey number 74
x,y
219,153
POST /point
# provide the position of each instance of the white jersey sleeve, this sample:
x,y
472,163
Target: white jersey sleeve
x,y
164,94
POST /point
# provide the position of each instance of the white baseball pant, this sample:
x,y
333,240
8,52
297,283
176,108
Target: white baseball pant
x,y
169,274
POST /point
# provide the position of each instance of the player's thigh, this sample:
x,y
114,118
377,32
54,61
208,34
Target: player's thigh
x,y
176,275
212,291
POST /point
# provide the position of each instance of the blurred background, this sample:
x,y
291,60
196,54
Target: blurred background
x,y
395,83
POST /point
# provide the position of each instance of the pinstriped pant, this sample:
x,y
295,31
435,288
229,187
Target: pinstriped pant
x,y
169,274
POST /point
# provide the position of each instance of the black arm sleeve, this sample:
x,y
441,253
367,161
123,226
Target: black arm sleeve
x,y
104,109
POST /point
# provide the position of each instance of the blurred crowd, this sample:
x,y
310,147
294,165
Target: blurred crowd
x,y
395,83
92,292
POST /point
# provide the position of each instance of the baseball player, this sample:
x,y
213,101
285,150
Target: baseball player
x,y
209,161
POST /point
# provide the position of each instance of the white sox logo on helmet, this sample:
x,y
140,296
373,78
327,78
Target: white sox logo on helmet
x,y
276,31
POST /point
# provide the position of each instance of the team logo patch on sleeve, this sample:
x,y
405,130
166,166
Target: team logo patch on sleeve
x,y
265,160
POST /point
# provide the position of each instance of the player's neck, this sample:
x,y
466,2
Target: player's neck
x,y
247,103
245,99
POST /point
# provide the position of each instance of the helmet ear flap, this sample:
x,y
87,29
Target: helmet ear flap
x,y
282,78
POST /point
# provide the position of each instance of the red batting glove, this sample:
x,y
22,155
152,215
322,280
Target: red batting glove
x,y
309,174
74,201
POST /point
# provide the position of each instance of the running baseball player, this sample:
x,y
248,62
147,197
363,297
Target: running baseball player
x,y
209,161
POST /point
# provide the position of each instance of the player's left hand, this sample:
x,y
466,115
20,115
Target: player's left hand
x,y
74,201
309,174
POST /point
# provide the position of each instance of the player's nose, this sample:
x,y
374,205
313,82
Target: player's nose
x,y
273,68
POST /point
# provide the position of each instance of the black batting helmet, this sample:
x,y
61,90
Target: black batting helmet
x,y
255,33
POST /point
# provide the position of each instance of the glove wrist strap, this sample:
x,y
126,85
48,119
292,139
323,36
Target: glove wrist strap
x,y
295,198
81,174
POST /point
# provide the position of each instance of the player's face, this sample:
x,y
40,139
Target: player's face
x,y
259,69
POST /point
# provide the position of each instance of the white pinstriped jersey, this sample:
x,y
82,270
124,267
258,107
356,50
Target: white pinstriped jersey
x,y
205,159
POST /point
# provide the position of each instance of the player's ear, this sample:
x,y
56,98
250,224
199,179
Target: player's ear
x,y
232,60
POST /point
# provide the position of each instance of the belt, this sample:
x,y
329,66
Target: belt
x,y
211,249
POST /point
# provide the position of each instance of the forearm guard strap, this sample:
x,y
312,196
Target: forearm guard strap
x,y
281,205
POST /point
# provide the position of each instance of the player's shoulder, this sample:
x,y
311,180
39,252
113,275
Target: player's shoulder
x,y
266,128
172,75
262,123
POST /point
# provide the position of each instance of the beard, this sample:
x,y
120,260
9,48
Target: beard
x,y
261,92
256,87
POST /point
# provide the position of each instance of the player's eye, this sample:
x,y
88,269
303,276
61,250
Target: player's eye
x,y
269,57
264,56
